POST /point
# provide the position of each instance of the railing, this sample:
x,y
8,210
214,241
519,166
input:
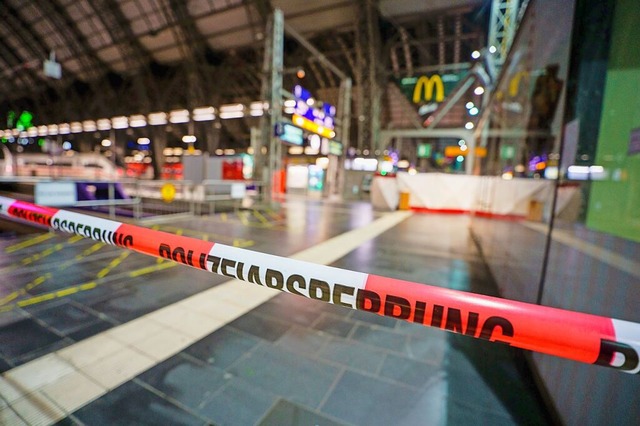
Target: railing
x,y
144,199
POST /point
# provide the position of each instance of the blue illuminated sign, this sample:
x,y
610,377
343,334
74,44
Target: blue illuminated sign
x,y
323,115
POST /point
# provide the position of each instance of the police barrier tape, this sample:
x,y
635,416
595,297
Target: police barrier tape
x,y
573,335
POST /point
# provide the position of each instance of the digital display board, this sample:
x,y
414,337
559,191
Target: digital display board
x,y
292,134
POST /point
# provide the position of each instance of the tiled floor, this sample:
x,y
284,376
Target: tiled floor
x,y
157,344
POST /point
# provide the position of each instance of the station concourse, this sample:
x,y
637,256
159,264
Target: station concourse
x,y
368,212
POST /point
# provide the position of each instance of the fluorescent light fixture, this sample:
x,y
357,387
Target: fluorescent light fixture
x,y
578,172
296,150
52,129
179,116
259,105
120,122
157,118
143,141
232,114
89,126
105,142
137,120
290,103
64,128
309,150
42,131
368,164
76,127
103,124
258,108
206,113
231,108
188,139
32,132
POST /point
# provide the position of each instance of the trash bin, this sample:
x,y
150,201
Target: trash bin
x,y
403,204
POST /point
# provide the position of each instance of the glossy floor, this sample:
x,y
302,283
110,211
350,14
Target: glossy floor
x,y
126,339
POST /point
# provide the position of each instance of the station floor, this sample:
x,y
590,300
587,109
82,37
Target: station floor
x,y
91,334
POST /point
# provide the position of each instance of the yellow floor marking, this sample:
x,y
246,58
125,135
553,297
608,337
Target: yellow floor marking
x,y
273,214
49,251
94,248
30,242
152,268
115,262
15,294
243,218
77,288
261,217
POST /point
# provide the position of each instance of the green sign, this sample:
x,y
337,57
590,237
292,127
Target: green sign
x,y
424,150
25,120
507,152
430,87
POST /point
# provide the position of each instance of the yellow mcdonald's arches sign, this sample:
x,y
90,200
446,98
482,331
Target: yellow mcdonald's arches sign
x,y
426,85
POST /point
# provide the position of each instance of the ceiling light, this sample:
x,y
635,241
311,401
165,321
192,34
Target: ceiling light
x,y
179,116
76,127
137,120
89,126
103,124
120,122
206,113
157,118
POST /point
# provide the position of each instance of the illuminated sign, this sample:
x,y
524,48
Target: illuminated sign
x,y
454,151
292,134
313,127
322,114
335,148
424,150
427,86
430,89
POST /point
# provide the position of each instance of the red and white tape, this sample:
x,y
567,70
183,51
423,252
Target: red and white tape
x,y
573,335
